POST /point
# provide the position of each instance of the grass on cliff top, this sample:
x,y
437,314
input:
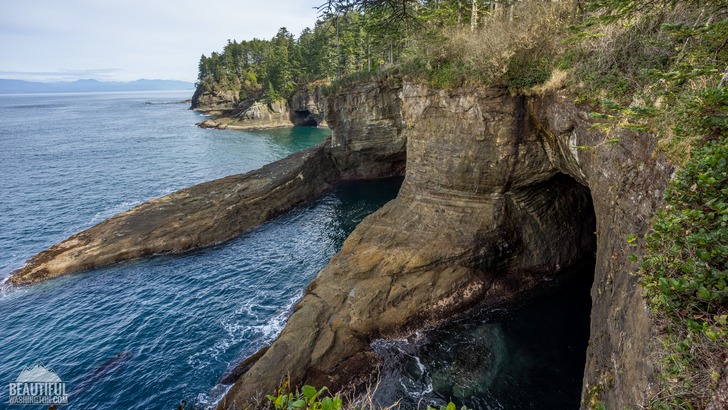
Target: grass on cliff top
x,y
684,269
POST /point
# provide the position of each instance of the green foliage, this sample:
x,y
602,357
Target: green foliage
x,y
527,69
655,66
450,406
638,63
706,115
687,270
685,267
431,40
308,398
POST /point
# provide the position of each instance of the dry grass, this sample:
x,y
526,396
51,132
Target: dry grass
x,y
487,54
690,366
558,80
366,401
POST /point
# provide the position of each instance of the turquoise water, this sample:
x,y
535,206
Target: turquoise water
x,y
147,334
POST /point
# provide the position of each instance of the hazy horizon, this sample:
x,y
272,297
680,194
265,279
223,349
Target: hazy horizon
x,y
93,79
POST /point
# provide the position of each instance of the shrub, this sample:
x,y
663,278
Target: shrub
x,y
517,52
308,398
685,267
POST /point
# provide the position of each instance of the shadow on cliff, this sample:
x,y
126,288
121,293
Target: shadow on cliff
x,y
483,215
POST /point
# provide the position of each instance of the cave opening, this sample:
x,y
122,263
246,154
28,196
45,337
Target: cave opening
x,y
529,352
303,118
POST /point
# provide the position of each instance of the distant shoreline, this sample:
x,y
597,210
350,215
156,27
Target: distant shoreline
x,y
41,94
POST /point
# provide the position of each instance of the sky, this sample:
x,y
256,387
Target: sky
x,y
126,40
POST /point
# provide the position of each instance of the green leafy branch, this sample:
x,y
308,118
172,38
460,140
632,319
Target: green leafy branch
x,y
308,398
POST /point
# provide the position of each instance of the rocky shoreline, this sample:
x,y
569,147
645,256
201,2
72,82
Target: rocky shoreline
x,y
305,108
496,198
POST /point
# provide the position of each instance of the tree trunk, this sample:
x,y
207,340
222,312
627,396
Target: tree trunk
x,y
338,54
369,54
474,16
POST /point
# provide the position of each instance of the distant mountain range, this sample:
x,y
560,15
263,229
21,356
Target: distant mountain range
x,y
83,86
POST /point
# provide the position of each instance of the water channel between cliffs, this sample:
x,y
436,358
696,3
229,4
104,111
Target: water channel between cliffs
x,y
528,354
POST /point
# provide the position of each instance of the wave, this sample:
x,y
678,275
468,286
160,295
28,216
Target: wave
x,y
240,331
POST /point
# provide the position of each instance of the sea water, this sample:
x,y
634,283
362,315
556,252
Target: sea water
x,y
147,334
525,354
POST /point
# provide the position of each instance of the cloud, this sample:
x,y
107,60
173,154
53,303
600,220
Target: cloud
x,y
134,38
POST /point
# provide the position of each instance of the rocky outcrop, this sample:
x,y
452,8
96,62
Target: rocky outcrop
x,y
483,214
308,105
253,115
305,108
486,210
214,103
212,212
202,215
368,126
500,192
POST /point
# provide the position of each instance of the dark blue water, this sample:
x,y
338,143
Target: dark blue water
x,y
528,354
146,334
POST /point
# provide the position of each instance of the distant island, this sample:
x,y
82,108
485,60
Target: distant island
x,y
83,86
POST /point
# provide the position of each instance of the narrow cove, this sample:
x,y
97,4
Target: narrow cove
x,y
146,334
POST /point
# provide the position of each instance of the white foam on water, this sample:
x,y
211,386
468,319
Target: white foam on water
x,y
412,391
210,401
239,331
8,290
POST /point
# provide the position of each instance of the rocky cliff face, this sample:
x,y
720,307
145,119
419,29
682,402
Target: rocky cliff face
x,y
252,115
486,210
305,108
215,103
308,105
368,128
626,178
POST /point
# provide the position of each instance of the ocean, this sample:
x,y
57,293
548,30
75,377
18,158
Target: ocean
x,y
149,333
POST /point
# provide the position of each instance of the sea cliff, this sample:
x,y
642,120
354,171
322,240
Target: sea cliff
x,y
227,111
500,193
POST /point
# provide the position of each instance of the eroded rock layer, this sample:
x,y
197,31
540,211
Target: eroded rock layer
x,y
500,192
483,214
305,108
